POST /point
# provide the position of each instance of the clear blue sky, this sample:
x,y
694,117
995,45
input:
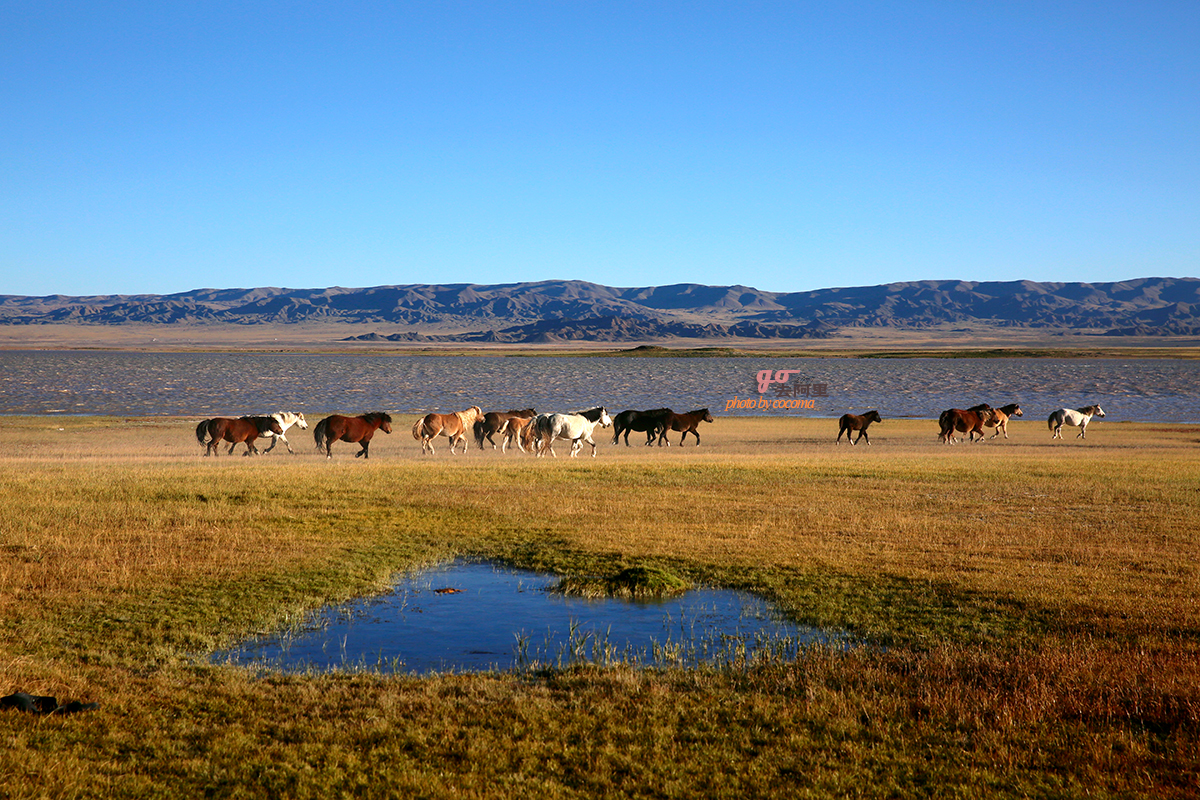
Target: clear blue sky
x,y
160,147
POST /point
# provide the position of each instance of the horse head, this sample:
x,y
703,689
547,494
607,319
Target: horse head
x,y
707,416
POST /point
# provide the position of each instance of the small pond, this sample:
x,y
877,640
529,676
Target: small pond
x,y
469,617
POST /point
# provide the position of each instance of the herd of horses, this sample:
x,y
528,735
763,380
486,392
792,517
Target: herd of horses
x,y
536,433
972,422
529,431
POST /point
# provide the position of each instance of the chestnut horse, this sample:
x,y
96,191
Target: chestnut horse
x,y
453,426
688,423
1000,417
651,422
519,430
337,428
848,423
969,421
494,422
241,429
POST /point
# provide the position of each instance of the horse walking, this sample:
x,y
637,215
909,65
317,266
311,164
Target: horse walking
x,y
453,426
577,428
969,421
849,423
286,419
1000,418
496,422
337,428
688,423
1079,418
234,430
650,422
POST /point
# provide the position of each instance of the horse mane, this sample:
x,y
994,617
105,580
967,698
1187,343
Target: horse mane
x,y
378,415
592,414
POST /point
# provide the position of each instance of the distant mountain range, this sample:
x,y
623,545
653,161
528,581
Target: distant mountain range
x,y
575,310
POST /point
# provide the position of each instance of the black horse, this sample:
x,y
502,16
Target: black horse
x,y
651,422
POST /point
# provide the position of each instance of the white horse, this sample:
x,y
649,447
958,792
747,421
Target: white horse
x,y
1079,417
286,419
576,427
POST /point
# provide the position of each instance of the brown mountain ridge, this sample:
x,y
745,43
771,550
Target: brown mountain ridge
x,y
573,310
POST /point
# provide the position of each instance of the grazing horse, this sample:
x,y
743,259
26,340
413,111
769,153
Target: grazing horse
x,y
286,419
577,427
1079,417
453,426
688,423
241,429
849,423
359,429
494,422
970,422
651,422
1000,417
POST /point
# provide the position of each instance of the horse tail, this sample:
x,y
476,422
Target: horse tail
x,y
416,429
616,433
202,431
1050,421
319,432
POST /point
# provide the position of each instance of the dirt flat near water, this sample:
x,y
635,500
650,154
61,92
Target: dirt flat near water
x,y
330,337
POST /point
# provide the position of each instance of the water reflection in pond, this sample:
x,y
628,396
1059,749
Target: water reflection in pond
x,y
468,616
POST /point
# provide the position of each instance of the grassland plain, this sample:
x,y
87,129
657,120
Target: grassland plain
x,y
1028,610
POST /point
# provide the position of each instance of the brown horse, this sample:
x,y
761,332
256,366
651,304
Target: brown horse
x,y
453,426
970,422
848,423
494,422
519,430
242,429
688,423
1000,417
337,428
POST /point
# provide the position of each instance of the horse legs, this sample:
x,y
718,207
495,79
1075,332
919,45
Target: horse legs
x,y
364,452
1082,431
276,439
863,435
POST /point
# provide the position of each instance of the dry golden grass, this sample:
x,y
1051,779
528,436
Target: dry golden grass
x,y
1038,599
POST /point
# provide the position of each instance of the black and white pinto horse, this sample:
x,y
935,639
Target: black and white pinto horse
x,y
1079,417
576,427
286,419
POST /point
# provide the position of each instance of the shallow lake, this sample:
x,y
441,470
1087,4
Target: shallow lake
x,y
228,384
468,617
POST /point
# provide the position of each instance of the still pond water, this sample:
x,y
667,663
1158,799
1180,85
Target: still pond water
x,y
212,384
466,616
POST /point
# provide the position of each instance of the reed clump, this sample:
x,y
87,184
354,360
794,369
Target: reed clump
x,y
640,582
